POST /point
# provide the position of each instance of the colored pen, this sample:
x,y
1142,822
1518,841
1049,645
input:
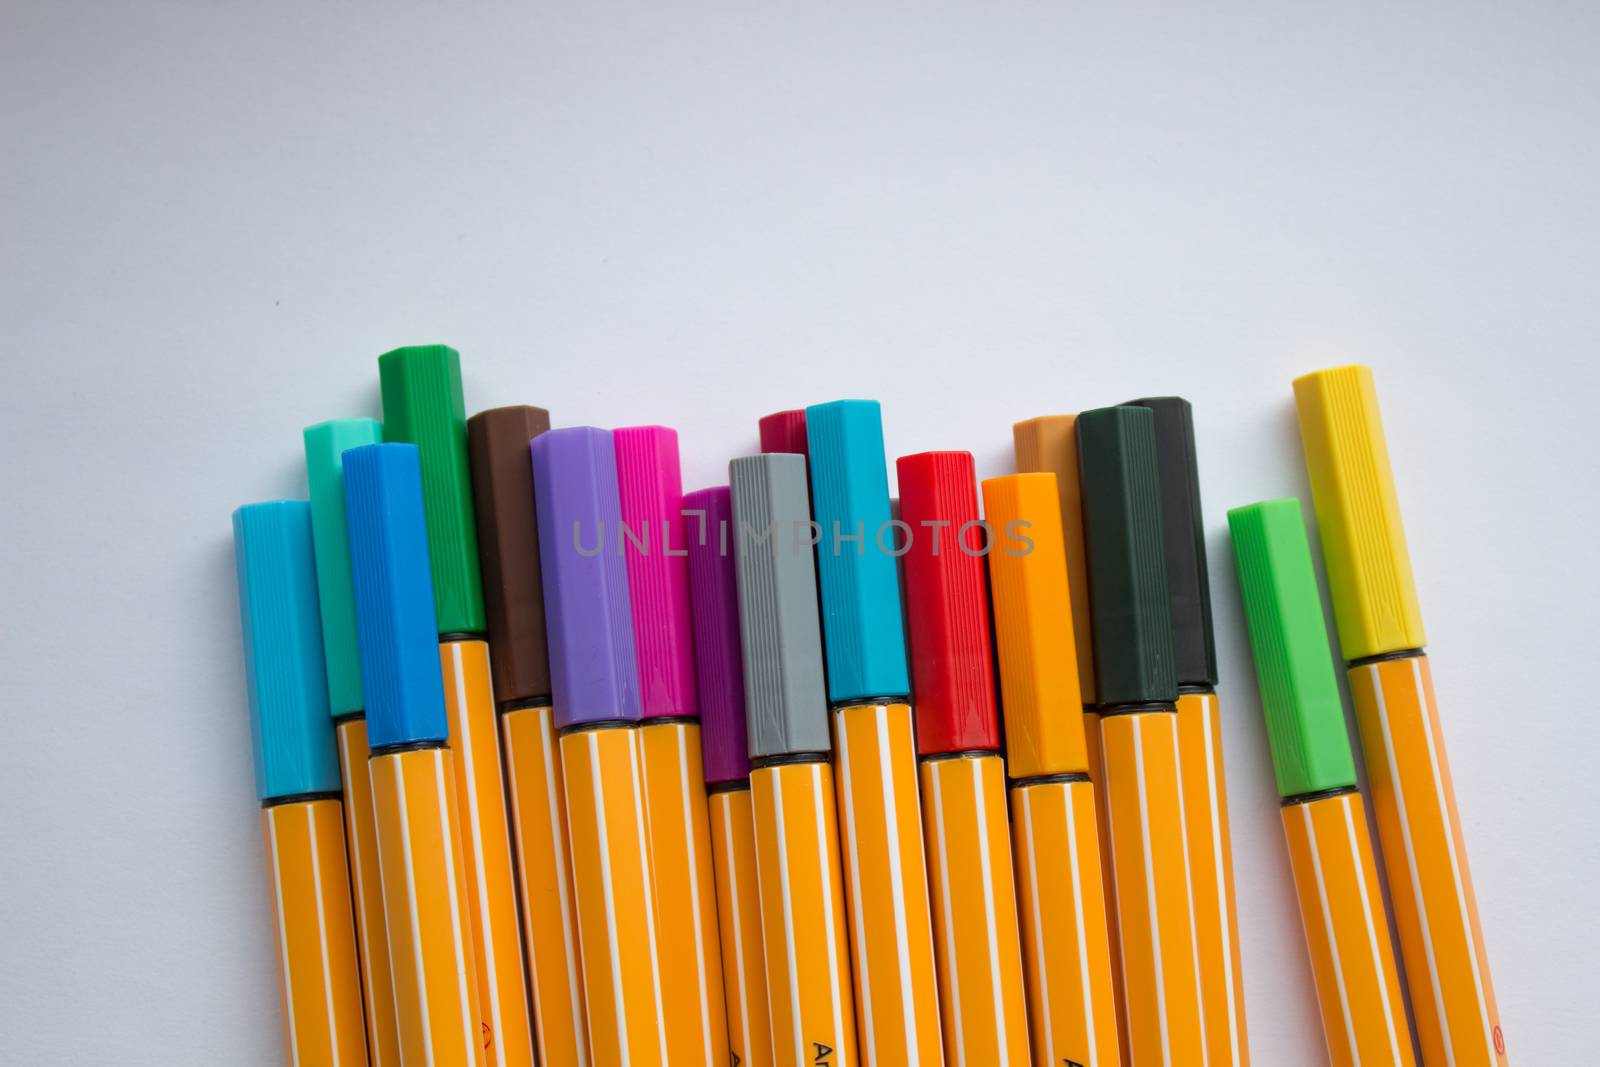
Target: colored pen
x,y
719,678
594,673
1381,636
1205,793
784,431
421,857
513,595
324,444
650,489
976,943
1341,906
1137,691
1049,444
1053,822
891,929
297,782
422,405
793,812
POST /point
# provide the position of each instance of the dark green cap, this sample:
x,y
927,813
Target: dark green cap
x,y
423,406
1133,657
1294,662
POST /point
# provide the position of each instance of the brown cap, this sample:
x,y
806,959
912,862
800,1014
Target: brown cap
x,y
508,547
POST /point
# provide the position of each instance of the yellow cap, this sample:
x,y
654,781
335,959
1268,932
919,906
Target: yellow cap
x,y
1352,486
1049,444
1040,699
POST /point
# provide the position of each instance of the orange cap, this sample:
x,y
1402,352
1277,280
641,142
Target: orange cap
x,y
1039,694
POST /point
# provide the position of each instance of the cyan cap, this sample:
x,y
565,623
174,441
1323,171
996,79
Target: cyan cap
x,y
594,669
863,629
290,730
325,446
395,620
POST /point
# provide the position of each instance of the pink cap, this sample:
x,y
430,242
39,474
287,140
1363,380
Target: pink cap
x,y
650,485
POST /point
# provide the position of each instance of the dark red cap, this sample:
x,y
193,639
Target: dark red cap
x,y
785,431
947,600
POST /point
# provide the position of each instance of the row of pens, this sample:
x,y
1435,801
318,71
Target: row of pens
x,y
559,764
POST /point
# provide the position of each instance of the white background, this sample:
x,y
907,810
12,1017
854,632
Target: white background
x,y
215,216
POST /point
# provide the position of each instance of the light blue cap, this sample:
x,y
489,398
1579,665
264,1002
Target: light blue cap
x,y
863,628
291,733
395,620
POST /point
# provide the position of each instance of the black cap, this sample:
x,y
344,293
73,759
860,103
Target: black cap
x,y
1133,656
1183,533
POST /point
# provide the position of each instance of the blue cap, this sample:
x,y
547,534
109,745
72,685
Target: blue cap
x,y
863,629
395,621
291,733
594,666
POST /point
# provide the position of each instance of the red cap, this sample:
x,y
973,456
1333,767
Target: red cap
x,y
947,599
784,431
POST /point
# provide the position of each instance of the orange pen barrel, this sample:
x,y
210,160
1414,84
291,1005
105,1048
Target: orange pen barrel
x,y
1054,823
744,963
366,884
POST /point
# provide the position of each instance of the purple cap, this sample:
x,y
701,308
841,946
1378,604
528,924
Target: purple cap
x,y
651,538
594,674
718,661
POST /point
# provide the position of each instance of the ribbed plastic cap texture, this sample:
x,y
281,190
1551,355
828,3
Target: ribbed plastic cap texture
x,y
714,598
786,707
1127,562
291,733
947,604
325,445
423,406
784,431
1358,513
863,629
1049,444
1183,535
1033,627
508,548
395,620
594,670
650,490
1294,663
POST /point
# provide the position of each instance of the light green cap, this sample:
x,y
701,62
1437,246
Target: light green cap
x,y
423,406
1294,661
325,445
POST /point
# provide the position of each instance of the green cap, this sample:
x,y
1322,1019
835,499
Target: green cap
x,y
1128,602
1294,662
325,445
423,406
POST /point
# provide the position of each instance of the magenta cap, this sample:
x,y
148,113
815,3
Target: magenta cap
x,y
650,486
719,665
594,672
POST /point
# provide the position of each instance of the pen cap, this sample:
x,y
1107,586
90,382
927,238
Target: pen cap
x,y
1127,565
714,598
1049,444
423,406
594,672
650,490
1358,513
863,630
784,431
1183,537
291,733
325,445
508,548
786,706
1294,665
1033,627
947,603
395,619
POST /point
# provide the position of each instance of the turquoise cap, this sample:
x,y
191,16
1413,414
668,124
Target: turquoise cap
x,y
862,624
291,733
325,445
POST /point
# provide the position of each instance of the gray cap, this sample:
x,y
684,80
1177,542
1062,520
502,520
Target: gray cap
x,y
785,697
